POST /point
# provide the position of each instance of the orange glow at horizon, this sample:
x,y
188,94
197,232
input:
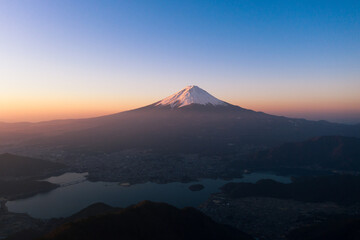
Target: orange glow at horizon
x,y
41,110
44,110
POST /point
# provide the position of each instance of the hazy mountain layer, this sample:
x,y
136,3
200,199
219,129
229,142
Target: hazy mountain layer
x,y
327,152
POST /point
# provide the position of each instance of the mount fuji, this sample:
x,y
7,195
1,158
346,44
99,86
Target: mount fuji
x,y
190,95
192,99
189,121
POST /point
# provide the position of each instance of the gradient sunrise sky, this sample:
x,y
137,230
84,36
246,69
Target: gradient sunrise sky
x,y
70,59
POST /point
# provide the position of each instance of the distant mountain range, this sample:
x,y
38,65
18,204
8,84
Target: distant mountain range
x,y
14,167
190,121
340,189
19,175
333,153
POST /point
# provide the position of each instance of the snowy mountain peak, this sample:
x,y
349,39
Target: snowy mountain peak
x,y
190,95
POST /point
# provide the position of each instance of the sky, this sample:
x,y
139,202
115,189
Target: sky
x,y
73,59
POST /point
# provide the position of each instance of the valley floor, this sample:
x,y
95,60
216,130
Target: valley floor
x,y
270,218
140,166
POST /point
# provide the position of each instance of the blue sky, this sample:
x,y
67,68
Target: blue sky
x,y
295,58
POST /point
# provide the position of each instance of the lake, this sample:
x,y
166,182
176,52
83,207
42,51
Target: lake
x,y
77,193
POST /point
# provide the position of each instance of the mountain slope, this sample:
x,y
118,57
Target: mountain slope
x,y
190,121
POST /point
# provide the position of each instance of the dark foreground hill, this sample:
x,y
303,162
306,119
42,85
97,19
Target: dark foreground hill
x,y
146,220
38,228
327,152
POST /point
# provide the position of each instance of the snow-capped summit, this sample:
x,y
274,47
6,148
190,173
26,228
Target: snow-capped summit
x,y
190,95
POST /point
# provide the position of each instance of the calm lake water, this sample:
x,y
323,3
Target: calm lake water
x,y
77,193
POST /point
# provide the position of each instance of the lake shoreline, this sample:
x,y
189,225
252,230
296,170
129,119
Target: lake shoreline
x,y
65,200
